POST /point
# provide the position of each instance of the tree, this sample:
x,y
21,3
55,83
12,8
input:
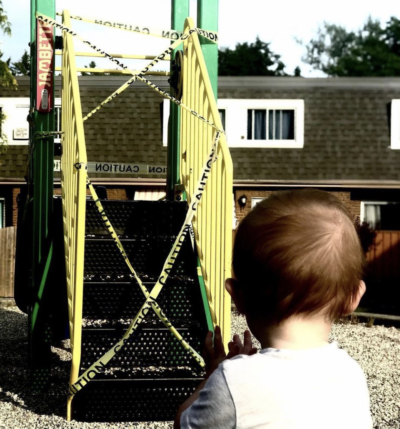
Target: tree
x,y
92,65
6,78
254,59
22,67
374,50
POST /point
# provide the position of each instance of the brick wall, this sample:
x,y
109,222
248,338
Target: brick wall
x,y
351,205
112,193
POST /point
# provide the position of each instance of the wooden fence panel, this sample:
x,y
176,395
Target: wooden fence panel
x,y
7,261
384,255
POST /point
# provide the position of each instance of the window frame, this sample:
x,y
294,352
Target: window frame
x,y
3,212
165,119
395,125
380,203
236,122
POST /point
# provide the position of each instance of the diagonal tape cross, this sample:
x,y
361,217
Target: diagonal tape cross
x,y
150,302
186,228
135,74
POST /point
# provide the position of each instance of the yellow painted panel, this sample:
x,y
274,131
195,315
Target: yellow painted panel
x,y
213,221
73,185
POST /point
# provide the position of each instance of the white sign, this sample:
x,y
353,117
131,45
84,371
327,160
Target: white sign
x,y
20,133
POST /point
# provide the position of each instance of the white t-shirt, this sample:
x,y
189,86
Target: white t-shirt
x,y
320,388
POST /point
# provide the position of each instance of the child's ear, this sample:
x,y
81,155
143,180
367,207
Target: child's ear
x,y
356,300
235,291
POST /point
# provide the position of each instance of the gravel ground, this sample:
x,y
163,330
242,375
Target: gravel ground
x,y
376,348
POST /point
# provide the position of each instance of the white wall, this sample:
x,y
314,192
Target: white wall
x,y
16,127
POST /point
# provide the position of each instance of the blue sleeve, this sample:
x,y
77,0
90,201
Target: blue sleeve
x,y
214,408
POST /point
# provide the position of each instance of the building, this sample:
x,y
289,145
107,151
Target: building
x,y
337,134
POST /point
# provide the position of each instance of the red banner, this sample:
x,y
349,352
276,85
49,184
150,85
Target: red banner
x,y
45,66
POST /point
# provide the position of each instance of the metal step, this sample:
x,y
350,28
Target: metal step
x,y
146,347
150,377
127,400
147,256
180,300
137,218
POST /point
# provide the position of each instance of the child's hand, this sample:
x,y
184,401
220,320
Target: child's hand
x,y
236,347
214,355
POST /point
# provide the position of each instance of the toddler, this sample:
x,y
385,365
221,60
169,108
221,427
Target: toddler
x,y
298,265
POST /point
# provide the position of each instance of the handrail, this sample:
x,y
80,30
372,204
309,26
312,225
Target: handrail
x,y
213,223
73,185
126,56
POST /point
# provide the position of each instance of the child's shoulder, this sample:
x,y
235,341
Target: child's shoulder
x,y
278,358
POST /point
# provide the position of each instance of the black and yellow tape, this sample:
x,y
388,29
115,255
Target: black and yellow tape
x,y
151,297
186,229
138,74
134,28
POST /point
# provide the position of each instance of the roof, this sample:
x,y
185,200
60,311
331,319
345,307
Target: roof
x,y
346,134
346,130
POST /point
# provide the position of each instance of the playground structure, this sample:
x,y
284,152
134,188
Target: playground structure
x,y
153,273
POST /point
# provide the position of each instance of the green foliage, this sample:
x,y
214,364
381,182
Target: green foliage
x,y
22,67
374,50
254,59
92,65
5,24
366,235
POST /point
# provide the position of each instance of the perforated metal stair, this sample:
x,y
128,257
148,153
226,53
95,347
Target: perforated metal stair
x,y
152,375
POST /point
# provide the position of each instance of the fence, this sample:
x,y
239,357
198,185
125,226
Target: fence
x,y
384,256
7,261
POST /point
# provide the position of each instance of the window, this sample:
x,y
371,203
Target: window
x,y
381,215
165,118
222,114
395,125
279,123
263,123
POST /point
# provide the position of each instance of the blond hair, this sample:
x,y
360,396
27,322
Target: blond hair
x,y
297,252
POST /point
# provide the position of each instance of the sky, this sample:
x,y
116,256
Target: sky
x,y
278,22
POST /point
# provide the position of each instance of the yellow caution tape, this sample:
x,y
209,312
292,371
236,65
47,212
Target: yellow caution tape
x,y
151,297
186,229
122,88
148,31
135,74
134,28
125,168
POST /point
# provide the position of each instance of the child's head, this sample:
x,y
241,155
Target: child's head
x,y
297,253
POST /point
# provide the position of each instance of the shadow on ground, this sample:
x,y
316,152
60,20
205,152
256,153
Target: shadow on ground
x,y
15,383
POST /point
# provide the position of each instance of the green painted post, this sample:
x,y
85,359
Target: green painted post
x,y
41,196
207,18
179,12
